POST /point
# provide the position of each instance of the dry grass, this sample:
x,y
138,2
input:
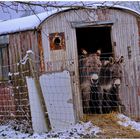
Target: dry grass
x,y
109,126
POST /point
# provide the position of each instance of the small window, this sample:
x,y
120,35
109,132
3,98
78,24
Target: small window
x,y
4,58
57,41
4,68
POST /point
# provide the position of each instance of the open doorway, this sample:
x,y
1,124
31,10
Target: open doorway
x,y
93,38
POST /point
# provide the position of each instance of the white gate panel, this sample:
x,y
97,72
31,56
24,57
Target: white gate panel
x,y
57,92
37,116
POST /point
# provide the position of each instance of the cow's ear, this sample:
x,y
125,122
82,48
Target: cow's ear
x,y
121,60
111,60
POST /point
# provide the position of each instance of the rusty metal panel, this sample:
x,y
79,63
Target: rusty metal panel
x,y
57,41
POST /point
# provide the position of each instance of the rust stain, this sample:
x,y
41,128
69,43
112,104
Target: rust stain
x,y
138,91
102,14
41,53
57,41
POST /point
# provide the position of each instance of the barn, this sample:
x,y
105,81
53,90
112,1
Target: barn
x,y
56,39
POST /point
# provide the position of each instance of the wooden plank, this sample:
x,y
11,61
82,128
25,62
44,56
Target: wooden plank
x,y
57,92
37,116
91,24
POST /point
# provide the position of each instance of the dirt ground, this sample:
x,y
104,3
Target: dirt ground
x,y
110,128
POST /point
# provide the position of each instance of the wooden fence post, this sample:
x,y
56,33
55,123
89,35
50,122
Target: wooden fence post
x,y
39,90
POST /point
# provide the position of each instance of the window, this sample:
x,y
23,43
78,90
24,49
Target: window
x,y
4,58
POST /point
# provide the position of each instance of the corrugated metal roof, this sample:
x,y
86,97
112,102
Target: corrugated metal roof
x,y
33,22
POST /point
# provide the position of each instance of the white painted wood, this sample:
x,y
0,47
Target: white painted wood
x,y
37,116
57,93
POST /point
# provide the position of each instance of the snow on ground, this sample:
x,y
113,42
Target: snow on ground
x,y
126,121
80,130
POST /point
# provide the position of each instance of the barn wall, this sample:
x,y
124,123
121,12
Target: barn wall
x,y
124,34
19,43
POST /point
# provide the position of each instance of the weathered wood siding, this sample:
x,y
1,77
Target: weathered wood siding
x,y
19,43
124,34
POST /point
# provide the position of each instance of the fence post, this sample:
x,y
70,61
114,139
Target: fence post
x,y
39,90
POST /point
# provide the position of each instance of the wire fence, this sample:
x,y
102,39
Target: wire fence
x,y
100,80
103,87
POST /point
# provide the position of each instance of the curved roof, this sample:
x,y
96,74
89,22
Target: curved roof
x,y
33,22
24,23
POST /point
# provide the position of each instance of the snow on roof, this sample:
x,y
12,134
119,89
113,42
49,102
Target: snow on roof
x,y
32,22
121,7
24,23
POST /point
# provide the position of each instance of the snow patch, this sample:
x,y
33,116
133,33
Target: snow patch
x,y
29,52
24,60
80,130
10,74
26,57
25,23
126,121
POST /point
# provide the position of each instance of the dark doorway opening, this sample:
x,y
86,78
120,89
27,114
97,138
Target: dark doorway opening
x,y
94,38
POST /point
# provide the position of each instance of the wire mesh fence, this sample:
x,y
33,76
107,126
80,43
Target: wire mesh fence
x,y
7,102
103,85
100,80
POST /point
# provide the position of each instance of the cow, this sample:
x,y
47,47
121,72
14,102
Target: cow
x,y
90,66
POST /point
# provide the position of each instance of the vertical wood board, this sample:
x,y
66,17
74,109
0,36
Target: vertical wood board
x,y
57,92
37,116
